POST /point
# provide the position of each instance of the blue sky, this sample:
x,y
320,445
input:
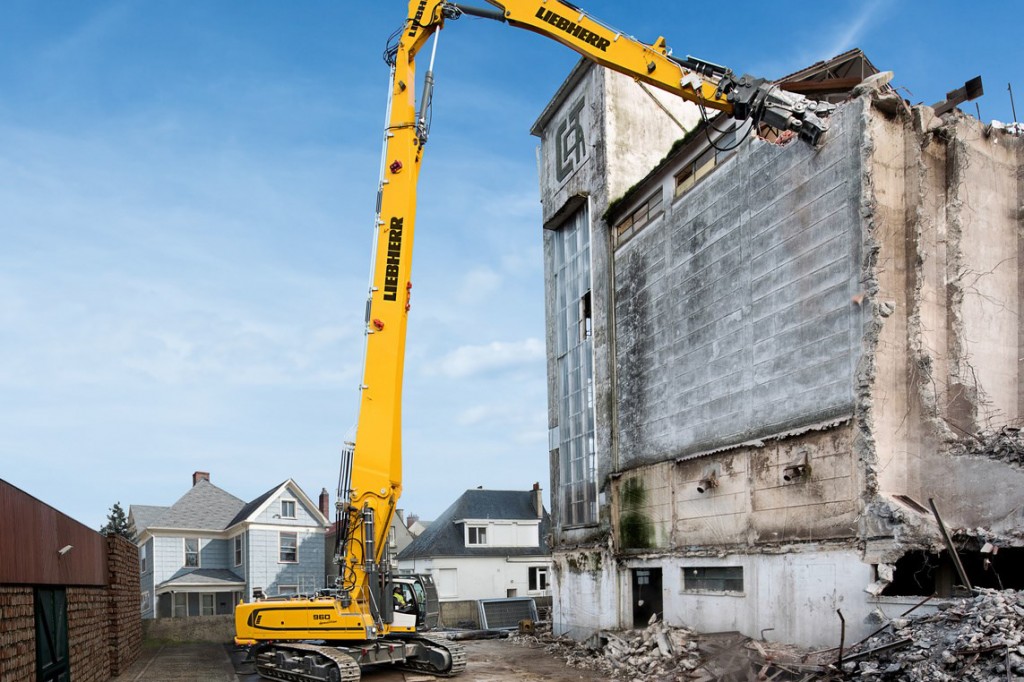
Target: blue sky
x,y
186,200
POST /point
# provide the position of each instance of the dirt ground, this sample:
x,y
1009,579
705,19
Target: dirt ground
x,y
489,660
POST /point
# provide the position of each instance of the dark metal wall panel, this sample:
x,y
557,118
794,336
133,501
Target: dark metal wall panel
x,y
31,535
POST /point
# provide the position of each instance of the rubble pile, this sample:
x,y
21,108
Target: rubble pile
x,y
1005,444
979,639
668,654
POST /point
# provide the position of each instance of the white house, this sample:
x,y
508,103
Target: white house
x,y
488,544
209,549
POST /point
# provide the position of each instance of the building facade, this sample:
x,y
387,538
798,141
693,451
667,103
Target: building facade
x,y
489,544
209,550
764,359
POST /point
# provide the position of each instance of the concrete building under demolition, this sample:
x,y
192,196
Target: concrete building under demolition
x,y
764,359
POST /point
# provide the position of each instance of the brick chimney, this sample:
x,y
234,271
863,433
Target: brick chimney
x,y
200,476
325,503
538,501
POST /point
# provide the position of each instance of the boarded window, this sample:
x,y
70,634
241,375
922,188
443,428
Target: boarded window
x,y
447,582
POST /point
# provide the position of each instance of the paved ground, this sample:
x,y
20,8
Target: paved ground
x,y
489,661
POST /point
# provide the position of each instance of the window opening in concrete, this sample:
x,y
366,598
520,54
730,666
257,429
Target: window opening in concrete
x,y
192,552
713,579
288,509
639,218
921,574
647,596
538,578
586,324
476,535
289,547
577,486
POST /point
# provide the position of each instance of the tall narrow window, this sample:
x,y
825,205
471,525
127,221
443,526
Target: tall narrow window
x,y
238,550
143,559
575,372
289,548
206,604
538,578
192,552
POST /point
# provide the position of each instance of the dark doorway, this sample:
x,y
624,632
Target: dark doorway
x,y
52,663
646,595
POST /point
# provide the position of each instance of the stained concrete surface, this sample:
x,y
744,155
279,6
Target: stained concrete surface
x,y
489,661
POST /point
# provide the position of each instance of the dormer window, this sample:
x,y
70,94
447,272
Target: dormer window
x,y
476,535
287,509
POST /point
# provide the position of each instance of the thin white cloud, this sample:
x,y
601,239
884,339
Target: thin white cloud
x,y
468,361
852,30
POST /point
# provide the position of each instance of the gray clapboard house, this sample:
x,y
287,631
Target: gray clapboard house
x,y
210,549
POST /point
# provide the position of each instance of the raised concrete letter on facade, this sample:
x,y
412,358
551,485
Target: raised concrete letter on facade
x,y
570,144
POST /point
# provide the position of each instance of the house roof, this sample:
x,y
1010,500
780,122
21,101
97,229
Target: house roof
x,y
204,506
207,507
202,577
445,537
143,515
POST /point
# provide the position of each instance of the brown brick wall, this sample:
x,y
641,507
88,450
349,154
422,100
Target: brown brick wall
x,y
104,623
124,614
17,634
87,633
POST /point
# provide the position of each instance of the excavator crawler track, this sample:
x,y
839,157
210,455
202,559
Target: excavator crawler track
x,y
455,651
300,662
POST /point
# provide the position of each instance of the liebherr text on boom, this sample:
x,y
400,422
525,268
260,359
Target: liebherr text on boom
x,y
328,636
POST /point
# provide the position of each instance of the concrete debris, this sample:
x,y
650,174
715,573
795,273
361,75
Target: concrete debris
x,y
664,653
1005,444
977,639
973,640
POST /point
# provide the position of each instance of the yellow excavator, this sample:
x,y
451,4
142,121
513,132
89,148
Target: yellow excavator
x,y
328,637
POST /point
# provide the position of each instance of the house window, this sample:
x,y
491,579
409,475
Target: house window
x,y
143,558
289,548
238,550
392,538
288,590
477,535
192,552
179,605
288,509
713,579
144,602
639,218
573,446
206,607
538,578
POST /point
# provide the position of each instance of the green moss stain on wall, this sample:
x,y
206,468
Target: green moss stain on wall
x,y
635,529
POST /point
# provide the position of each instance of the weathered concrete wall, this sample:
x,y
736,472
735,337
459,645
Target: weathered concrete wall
x,y
946,220
855,308
734,317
